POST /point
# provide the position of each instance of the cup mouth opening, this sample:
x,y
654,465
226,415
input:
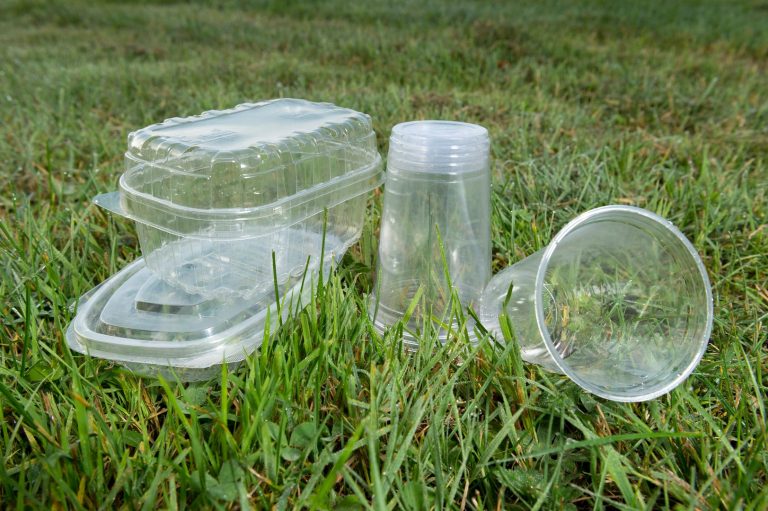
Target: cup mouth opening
x,y
561,362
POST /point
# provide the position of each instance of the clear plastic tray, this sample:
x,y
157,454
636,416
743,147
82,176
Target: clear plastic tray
x,y
219,196
141,322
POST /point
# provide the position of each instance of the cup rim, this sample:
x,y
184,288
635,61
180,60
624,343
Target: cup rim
x,y
562,363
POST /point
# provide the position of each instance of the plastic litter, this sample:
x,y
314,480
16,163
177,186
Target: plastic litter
x,y
217,196
436,215
619,301
237,212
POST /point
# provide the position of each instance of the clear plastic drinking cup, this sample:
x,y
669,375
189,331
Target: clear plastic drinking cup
x,y
435,243
619,301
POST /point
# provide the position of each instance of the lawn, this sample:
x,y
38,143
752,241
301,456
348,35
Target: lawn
x,y
663,105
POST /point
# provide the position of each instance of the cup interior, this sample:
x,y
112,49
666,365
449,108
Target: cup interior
x,y
623,303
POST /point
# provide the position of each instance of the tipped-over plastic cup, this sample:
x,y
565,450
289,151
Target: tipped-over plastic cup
x,y
435,243
619,301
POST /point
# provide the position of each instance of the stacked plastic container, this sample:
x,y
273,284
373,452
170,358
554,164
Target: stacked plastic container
x,y
435,248
227,205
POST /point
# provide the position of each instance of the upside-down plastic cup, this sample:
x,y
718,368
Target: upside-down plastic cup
x,y
435,243
619,301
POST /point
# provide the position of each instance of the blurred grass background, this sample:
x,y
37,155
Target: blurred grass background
x,y
656,104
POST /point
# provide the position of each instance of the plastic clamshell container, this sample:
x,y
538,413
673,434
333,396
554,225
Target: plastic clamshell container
x,y
139,321
228,200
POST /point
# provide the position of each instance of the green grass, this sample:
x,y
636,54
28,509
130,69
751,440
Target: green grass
x,y
663,105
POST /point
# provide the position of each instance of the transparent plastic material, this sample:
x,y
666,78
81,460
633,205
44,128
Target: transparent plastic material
x,y
217,197
619,301
435,217
139,321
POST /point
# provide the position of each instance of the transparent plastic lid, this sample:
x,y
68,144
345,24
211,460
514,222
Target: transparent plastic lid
x,y
136,318
246,171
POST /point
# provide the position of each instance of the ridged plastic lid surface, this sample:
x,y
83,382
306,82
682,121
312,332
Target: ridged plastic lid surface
x,y
444,147
135,318
247,169
250,155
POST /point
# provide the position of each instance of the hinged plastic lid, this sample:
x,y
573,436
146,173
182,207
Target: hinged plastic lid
x,y
247,171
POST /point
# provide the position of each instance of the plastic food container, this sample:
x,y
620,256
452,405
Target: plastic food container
x,y
139,321
228,200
